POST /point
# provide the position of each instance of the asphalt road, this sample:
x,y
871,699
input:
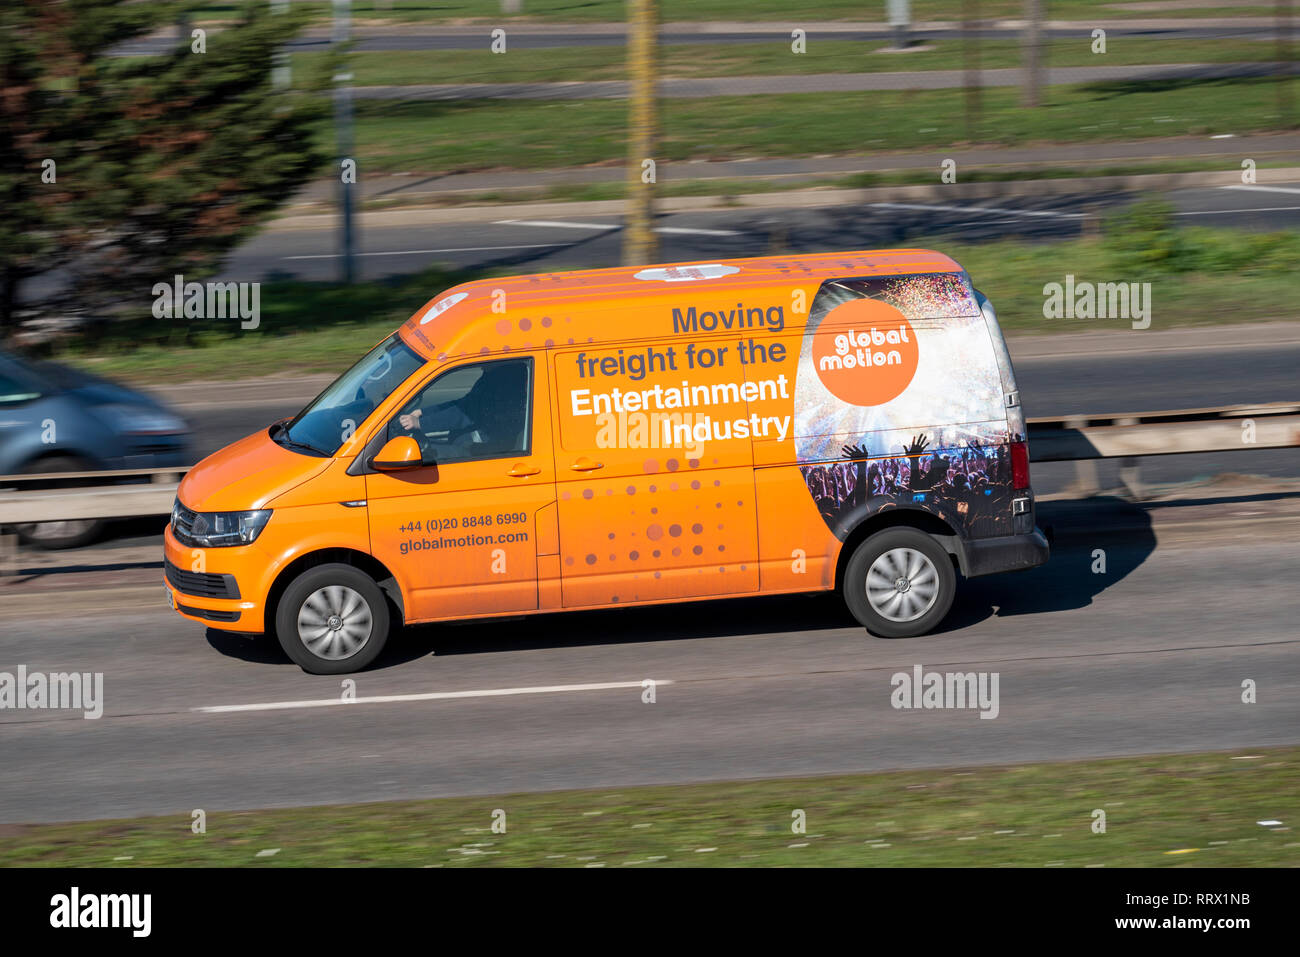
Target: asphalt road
x,y
1148,657
583,242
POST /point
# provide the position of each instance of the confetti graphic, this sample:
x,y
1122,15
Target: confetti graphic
x,y
955,395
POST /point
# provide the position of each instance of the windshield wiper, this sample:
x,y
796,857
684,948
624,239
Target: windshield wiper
x,y
280,436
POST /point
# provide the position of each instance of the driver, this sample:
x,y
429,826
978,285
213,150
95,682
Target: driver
x,y
486,419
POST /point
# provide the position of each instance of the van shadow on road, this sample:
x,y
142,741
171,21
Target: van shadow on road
x,y
1066,582
1097,543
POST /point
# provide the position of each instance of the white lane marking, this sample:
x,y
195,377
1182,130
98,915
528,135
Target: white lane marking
x,y
1031,212
554,224
607,227
1264,189
1052,214
429,696
424,252
691,231
1233,212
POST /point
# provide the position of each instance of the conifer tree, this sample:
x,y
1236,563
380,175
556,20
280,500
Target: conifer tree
x,y
118,171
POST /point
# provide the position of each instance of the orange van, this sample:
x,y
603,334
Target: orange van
x,y
626,437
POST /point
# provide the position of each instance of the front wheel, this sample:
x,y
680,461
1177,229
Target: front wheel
x,y
332,620
899,583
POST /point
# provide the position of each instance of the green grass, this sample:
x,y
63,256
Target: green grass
x,y
1012,274
304,327
533,134
524,65
574,11
1180,810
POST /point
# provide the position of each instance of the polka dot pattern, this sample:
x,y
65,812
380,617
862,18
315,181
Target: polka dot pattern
x,y
597,512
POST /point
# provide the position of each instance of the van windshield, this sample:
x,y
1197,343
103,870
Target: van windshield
x,y
336,413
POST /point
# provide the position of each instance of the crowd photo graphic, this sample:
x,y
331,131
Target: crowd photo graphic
x,y
968,487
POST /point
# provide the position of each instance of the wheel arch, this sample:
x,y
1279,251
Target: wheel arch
x,y
49,453
943,533
362,561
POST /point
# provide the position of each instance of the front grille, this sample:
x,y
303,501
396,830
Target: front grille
x,y
201,584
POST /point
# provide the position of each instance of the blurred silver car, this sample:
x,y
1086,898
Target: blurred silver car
x,y
57,419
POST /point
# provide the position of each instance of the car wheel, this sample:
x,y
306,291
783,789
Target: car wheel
x,y
55,535
899,583
332,620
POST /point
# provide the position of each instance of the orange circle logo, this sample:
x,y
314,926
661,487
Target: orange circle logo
x,y
865,352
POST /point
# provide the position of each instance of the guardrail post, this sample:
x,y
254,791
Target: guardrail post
x,y
1085,477
8,554
1085,470
1130,473
1129,470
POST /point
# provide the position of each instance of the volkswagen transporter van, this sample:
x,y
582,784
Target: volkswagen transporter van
x,y
628,436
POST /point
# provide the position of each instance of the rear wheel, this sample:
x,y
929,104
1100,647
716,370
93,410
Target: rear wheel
x,y
54,535
899,583
332,620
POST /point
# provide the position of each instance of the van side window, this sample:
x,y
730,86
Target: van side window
x,y
478,411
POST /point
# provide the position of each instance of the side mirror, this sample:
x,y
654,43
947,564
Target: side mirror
x,y
397,454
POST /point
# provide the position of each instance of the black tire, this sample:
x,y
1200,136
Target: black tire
x,y
301,597
51,536
899,544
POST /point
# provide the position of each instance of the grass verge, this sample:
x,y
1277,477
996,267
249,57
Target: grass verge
x,y
464,135
1170,810
772,57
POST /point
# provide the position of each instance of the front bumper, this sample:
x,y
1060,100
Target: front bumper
x,y
1005,553
192,595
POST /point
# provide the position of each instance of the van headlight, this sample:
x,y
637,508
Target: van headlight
x,y
217,529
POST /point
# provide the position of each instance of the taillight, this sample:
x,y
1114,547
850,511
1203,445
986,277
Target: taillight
x,y
1019,465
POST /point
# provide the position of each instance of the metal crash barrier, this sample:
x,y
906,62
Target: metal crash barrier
x,y
1085,438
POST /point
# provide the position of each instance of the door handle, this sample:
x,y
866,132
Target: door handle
x,y
585,464
522,470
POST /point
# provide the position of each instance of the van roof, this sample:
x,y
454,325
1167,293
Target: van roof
x,y
555,308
